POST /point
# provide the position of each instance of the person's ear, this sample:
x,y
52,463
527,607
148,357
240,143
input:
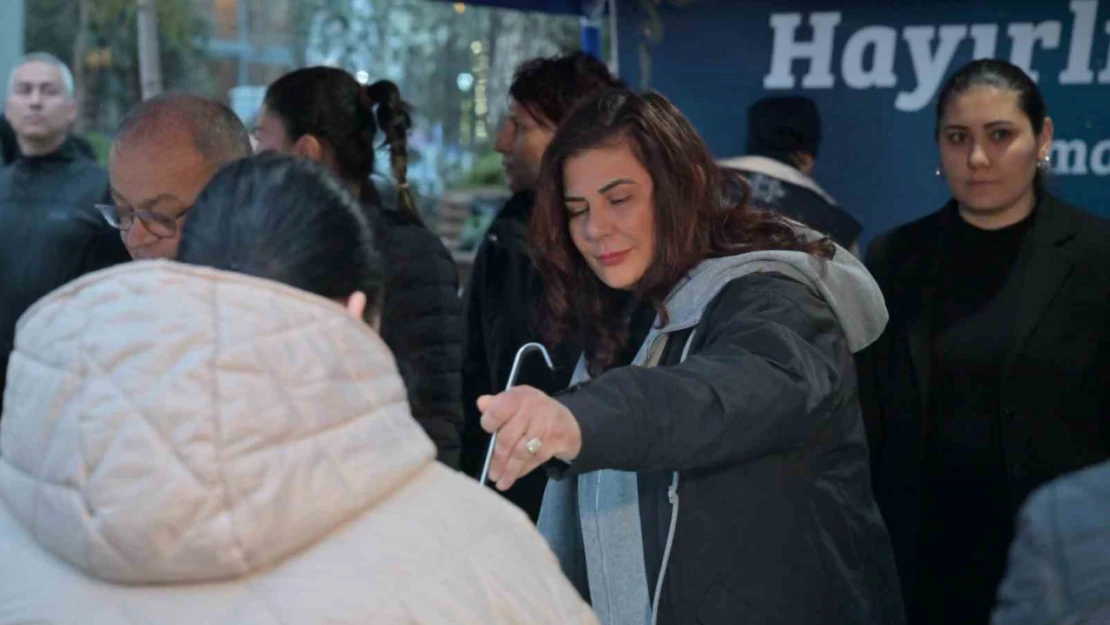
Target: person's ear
x,y
356,305
71,113
356,308
1044,143
806,163
309,147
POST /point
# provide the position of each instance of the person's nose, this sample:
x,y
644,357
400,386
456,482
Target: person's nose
x,y
138,236
978,157
503,144
599,224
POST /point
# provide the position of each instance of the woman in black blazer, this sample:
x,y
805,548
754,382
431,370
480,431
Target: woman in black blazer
x,y
991,377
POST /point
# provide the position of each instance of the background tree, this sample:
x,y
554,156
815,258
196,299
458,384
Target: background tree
x,y
98,39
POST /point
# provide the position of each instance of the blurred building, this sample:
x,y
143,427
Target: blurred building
x,y
251,43
11,43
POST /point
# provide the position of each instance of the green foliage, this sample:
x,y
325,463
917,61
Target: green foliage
x,y
487,172
101,143
53,26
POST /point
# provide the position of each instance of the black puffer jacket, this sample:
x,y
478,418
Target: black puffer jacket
x,y
50,233
422,323
502,295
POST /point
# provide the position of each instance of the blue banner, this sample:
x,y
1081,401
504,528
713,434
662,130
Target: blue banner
x,y
874,70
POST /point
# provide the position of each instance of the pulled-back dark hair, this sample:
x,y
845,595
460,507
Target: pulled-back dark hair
x,y
288,220
698,215
329,104
1001,75
549,87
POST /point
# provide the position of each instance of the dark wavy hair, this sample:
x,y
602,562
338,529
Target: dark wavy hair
x,y
701,212
329,104
549,87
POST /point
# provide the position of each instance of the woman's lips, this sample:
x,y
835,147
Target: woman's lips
x,y
614,258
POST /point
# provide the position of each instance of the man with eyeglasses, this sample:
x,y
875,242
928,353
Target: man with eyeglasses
x,y
166,151
50,232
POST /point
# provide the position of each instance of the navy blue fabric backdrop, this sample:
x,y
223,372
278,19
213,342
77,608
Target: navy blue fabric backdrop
x,y
875,72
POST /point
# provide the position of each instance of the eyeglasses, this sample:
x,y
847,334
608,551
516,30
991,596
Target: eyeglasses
x,y
158,224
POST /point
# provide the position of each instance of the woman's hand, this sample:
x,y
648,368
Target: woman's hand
x,y
524,418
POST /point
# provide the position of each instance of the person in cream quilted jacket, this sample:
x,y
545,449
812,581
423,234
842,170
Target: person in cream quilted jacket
x,y
231,443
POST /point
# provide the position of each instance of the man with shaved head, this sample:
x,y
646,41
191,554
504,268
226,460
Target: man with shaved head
x,y
166,151
50,230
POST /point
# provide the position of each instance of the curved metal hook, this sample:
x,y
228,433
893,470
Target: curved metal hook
x,y
520,354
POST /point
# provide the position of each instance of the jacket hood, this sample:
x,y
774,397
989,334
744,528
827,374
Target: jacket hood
x,y
842,281
776,169
169,423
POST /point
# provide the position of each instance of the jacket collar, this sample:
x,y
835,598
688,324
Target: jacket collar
x,y
66,152
775,169
519,206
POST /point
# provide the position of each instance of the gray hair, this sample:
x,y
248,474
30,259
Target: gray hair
x,y
217,132
44,57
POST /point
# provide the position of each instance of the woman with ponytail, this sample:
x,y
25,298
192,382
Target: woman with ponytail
x,y
325,115
990,379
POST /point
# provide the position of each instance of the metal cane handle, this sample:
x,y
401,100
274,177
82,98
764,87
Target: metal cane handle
x,y
520,354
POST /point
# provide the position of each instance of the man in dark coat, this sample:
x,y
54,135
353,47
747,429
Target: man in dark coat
x,y
50,229
784,134
9,145
504,288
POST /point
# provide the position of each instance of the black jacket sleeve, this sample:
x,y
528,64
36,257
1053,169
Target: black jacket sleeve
x,y
760,380
422,325
475,371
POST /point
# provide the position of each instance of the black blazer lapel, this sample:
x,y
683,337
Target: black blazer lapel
x,y
1044,264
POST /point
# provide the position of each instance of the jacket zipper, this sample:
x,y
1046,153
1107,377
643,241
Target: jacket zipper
x,y
672,496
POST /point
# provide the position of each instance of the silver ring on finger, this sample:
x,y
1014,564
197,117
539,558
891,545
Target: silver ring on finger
x,y
533,445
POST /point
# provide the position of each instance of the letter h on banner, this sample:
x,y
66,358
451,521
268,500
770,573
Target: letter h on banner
x,y
788,49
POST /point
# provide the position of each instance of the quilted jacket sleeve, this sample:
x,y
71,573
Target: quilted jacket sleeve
x,y
422,323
